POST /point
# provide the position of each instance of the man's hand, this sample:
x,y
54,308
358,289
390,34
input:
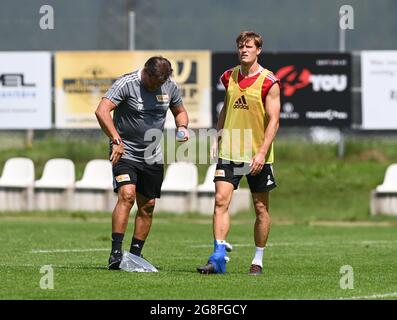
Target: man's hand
x,y
106,122
257,163
117,152
214,149
181,122
182,134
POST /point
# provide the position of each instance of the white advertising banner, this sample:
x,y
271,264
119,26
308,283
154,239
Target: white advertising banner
x,y
25,90
379,90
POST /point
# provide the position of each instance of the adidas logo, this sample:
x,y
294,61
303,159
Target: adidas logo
x,y
241,103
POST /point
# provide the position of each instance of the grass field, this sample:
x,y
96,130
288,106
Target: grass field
x,y
302,261
321,222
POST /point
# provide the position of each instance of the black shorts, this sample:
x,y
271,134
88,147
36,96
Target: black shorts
x,y
232,172
147,178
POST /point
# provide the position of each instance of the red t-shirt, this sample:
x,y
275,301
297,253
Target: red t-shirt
x,y
245,82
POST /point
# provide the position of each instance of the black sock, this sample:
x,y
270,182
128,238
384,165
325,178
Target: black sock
x,y
136,246
117,241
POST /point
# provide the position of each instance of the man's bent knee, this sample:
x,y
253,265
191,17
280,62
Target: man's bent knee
x,y
127,196
221,200
260,207
147,208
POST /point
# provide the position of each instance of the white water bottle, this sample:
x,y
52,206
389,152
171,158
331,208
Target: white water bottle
x,y
180,136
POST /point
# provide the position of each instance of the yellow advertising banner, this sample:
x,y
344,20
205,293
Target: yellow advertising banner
x,y
81,80
83,77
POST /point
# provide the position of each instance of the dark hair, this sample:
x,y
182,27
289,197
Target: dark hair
x,y
159,67
249,35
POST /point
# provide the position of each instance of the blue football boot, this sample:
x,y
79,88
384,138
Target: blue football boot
x,y
217,261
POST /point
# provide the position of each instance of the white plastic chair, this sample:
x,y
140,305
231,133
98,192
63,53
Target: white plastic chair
x,y
180,176
208,185
390,180
17,172
97,175
57,173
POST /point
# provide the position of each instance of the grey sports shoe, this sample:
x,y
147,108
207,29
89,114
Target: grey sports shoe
x,y
206,269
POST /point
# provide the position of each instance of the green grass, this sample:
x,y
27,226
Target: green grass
x,y
314,184
321,221
302,261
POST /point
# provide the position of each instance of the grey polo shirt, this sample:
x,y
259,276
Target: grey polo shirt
x,y
139,110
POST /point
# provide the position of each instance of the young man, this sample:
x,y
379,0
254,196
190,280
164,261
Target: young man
x,y
140,101
249,121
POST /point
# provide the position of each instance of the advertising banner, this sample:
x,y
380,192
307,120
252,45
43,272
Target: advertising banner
x,y
379,90
192,75
82,78
25,90
315,87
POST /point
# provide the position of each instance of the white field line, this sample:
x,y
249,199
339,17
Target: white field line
x,y
69,250
27,265
374,296
310,243
243,245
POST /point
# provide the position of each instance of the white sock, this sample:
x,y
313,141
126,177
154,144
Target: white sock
x,y
258,256
220,241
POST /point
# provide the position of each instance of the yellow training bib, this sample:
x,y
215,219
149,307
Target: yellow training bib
x,y
246,121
